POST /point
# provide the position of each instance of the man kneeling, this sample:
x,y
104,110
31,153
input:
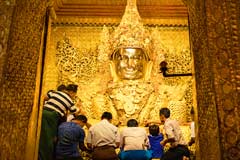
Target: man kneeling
x,y
134,142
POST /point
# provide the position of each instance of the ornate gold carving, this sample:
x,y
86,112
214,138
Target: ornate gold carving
x,y
140,99
75,65
103,90
131,32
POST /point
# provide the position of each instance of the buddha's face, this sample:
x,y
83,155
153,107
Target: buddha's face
x,y
130,63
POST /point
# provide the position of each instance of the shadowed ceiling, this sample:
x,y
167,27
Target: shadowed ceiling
x,y
115,8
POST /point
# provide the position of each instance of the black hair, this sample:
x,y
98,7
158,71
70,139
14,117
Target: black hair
x,y
106,115
132,123
61,87
165,112
81,118
72,87
154,130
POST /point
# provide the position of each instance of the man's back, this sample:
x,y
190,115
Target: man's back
x,y
70,135
103,138
103,133
134,138
173,130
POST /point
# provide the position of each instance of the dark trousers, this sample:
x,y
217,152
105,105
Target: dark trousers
x,y
50,120
104,153
176,153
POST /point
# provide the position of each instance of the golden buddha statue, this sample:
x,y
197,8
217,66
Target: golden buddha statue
x,y
130,93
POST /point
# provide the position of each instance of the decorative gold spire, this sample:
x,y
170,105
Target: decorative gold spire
x,y
131,33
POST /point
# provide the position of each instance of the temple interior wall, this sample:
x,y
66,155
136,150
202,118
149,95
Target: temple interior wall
x,y
214,30
74,55
20,43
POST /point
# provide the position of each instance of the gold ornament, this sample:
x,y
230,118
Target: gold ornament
x,y
131,32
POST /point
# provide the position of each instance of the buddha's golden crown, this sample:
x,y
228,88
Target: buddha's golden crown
x,y
131,33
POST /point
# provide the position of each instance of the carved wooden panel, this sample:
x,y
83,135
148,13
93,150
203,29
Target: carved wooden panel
x,y
215,39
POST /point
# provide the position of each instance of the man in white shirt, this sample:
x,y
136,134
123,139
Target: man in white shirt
x,y
178,149
103,138
134,142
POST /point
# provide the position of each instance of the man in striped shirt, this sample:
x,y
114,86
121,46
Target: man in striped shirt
x,y
56,106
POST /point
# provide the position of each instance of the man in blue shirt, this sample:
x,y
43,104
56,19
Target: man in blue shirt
x,y
70,138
